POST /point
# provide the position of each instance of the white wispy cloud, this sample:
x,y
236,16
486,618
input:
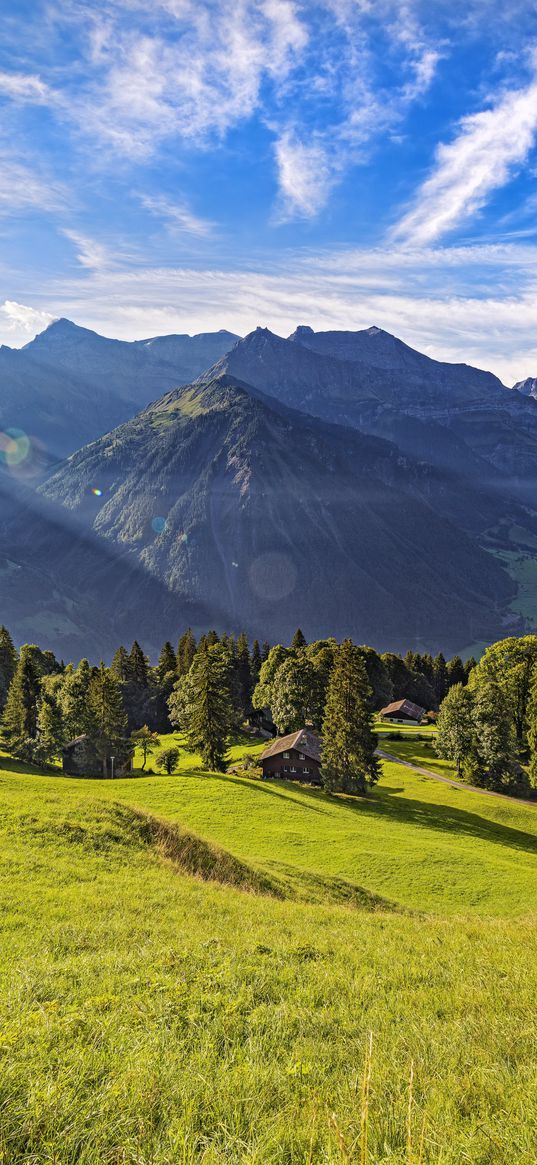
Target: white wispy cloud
x,y
25,87
25,187
436,299
178,216
90,253
481,158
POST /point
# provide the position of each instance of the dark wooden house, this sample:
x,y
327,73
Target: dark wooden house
x,y
403,712
296,757
81,759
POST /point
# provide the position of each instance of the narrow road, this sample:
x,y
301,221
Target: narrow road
x,y
454,784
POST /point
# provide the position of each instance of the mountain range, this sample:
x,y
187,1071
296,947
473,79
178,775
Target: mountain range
x,y
339,481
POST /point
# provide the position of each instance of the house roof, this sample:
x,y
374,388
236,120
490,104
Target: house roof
x,y
407,707
304,740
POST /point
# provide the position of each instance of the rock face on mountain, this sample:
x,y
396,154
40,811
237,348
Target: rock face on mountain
x,y
70,385
457,418
269,519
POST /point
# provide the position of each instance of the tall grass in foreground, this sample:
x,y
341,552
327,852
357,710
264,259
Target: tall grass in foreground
x,y
148,1017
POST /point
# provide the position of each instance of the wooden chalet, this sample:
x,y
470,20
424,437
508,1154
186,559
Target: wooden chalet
x,y
296,757
403,712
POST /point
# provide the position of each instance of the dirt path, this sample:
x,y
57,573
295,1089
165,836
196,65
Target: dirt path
x,y
454,784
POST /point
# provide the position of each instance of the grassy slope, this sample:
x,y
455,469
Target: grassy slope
x,y
149,1017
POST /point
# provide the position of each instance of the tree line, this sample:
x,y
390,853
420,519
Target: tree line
x,y
207,688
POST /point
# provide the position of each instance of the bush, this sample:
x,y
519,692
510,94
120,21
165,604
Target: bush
x,y
167,760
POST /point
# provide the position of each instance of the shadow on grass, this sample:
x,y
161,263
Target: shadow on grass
x,y
386,802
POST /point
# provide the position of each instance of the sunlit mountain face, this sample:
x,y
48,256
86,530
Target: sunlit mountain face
x,y
340,481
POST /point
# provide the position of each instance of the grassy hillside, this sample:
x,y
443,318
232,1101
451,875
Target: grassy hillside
x,y
194,970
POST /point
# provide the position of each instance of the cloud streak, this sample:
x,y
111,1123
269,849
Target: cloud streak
x,y
481,158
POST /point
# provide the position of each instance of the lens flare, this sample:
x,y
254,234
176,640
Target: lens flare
x,y
97,493
14,447
158,524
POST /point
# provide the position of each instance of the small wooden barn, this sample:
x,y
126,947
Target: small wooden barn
x,y
403,712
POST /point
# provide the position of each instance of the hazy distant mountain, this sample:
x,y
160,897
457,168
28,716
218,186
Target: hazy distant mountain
x,y
456,417
69,385
138,371
269,518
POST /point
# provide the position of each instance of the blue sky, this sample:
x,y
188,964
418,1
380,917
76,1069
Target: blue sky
x,y
186,165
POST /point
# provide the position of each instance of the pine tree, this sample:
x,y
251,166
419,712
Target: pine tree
x,y
73,701
167,662
244,675
440,678
201,705
8,663
138,667
349,763
265,650
255,663
109,730
120,666
20,712
456,673
456,737
299,640
50,729
186,650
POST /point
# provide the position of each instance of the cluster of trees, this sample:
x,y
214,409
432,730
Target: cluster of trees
x,y
208,689
489,727
293,681
45,704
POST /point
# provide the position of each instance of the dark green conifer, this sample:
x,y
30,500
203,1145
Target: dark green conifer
x,y
349,763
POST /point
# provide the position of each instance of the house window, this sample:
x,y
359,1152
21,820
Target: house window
x,y
286,756
305,771
286,768
301,756
293,770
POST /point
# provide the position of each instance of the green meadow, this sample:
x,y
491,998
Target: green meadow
x,y
210,968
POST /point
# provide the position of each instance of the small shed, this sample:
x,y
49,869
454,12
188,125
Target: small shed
x,y
81,759
296,757
403,712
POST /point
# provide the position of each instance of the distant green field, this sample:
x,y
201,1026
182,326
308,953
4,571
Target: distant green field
x,y
152,1012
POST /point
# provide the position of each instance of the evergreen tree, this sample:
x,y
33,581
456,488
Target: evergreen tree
x,y
73,701
299,640
265,650
255,663
165,676
244,675
146,740
456,673
8,663
456,737
109,728
20,712
186,650
138,667
262,694
201,705
50,729
167,662
120,666
349,763
440,678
